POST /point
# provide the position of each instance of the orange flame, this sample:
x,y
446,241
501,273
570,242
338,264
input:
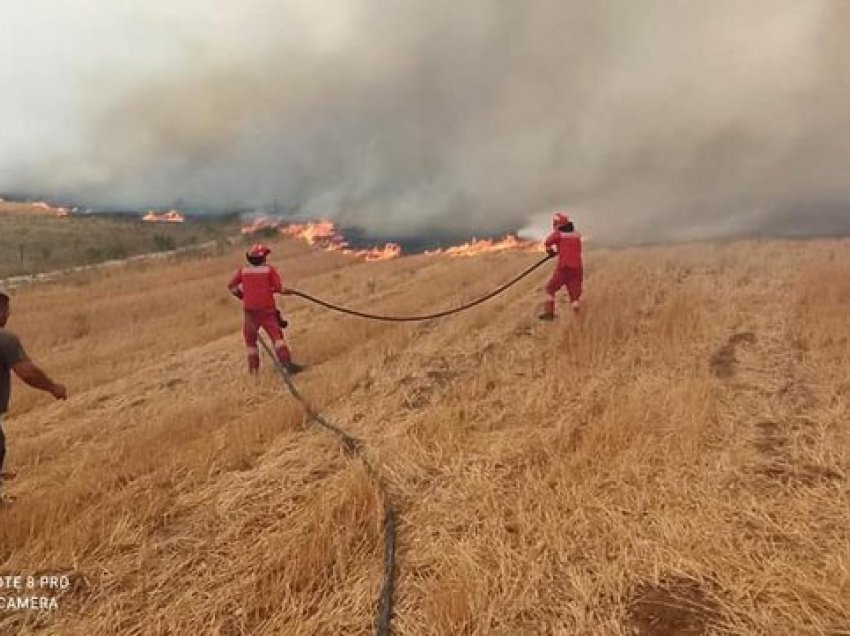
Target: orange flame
x,y
388,251
172,216
323,234
483,246
46,209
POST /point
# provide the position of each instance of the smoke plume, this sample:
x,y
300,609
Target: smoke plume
x,y
652,120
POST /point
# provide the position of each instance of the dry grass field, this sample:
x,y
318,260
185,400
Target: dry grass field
x,y
32,240
675,461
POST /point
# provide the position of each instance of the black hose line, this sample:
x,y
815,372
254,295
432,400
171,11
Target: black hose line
x,y
355,447
439,314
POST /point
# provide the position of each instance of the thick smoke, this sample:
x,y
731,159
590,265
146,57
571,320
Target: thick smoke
x,y
651,120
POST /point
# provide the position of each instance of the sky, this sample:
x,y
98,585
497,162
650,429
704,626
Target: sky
x,y
658,120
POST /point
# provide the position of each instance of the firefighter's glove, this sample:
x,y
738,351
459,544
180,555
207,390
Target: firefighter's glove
x,y
237,293
551,252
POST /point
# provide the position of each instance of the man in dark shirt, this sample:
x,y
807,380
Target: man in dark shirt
x,y
13,358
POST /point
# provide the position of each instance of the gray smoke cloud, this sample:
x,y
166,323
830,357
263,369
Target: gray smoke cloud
x,y
651,120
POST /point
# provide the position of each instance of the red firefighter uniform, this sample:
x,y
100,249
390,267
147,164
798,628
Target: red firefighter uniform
x,y
566,243
256,285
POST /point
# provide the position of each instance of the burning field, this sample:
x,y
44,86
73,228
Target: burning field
x,y
172,216
324,234
674,462
35,208
670,455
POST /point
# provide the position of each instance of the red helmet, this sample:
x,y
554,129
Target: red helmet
x,y
559,219
258,250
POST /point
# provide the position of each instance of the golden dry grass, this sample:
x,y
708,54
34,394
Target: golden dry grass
x,y
674,462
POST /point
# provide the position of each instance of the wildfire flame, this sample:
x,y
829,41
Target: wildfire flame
x,y
386,252
483,246
324,234
321,233
172,216
48,209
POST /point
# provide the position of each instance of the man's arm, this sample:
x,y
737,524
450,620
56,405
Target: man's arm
x,y
550,243
277,283
233,285
27,371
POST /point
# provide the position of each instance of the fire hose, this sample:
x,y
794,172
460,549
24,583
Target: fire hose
x,y
439,314
355,446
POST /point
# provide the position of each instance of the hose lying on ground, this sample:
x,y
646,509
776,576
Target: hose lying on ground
x,y
354,445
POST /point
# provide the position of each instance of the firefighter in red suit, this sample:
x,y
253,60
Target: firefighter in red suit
x,y
564,242
256,285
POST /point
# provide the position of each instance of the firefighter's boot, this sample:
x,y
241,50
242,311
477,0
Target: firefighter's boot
x,y
253,363
548,312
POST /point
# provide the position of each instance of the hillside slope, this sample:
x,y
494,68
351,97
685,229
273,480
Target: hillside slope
x,y
34,240
675,461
